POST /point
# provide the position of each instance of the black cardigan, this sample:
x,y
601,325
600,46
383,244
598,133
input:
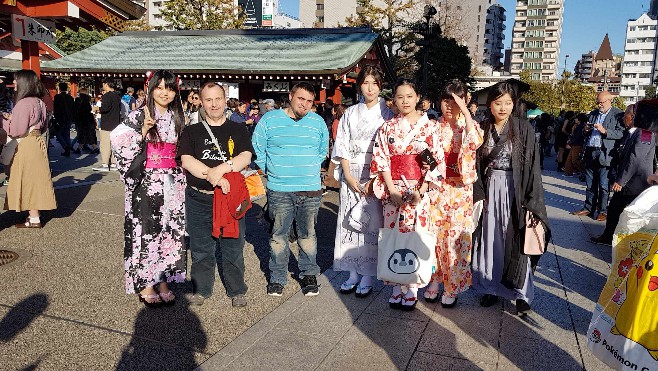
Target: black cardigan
x,y
530,190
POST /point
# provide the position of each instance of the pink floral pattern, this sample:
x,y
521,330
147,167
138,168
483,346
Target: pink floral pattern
x,y
154,209
391,141
452,207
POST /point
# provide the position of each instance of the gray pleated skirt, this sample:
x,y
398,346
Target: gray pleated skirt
x,y
489,254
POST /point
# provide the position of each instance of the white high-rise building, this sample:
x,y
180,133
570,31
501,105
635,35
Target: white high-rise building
x,y
153,11
639,67
536,38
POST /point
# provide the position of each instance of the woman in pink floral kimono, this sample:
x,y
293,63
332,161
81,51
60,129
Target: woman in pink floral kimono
x,y
401,182
155,213
452,210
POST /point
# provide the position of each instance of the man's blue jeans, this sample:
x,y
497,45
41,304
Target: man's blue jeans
x,y
198,214
284,208
596,177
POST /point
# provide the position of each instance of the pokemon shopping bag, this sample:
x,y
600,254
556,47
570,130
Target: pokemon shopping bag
x,y
623,332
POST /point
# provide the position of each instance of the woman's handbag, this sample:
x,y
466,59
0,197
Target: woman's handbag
x,y
8,151
406,258
535,235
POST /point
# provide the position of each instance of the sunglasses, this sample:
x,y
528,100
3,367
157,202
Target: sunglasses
x,y
195,98
603,101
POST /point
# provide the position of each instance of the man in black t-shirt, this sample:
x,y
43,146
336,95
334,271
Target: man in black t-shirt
x,y
206,165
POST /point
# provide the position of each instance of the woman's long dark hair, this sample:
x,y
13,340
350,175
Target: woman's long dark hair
x,y
28,85
176,106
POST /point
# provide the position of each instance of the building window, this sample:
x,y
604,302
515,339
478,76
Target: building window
x,y
320,6
319,19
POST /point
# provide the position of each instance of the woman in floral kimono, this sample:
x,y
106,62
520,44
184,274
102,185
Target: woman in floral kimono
x,y
452,211
359,213
399,178
155,214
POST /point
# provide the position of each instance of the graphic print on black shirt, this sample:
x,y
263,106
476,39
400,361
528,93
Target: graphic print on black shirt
x,y
233,139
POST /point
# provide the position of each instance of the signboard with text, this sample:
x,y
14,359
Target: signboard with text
x,y
232,89
268,13
252,11
30,29
276,86
190,84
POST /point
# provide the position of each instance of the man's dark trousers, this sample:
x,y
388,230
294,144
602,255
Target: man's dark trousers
x,y
598,184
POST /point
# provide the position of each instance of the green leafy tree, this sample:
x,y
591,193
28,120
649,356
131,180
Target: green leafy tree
x,y
650,92
553,96
387,17
201,15
141,24
71,41
619,103
446,61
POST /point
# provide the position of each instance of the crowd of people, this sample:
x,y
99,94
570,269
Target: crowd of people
x,y
472,183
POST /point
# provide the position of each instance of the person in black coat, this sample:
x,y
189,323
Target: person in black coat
x,y
85,123
510,184
64,112
634,166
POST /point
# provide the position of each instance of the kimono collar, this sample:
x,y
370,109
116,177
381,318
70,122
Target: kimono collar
x,y
162,116
460,123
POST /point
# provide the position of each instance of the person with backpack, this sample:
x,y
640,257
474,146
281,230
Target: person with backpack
x,y
129,98
112,109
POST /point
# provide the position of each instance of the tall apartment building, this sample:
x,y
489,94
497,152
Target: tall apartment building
x,y
325,13
536,38
477,24
583,69
153,11
494,34
639,66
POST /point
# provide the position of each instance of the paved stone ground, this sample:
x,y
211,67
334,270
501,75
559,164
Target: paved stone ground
x,y
62,305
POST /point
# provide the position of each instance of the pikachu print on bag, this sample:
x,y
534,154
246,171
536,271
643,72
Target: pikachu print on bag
x,y
637,318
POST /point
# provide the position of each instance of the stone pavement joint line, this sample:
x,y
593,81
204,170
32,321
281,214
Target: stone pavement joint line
x,y
566,295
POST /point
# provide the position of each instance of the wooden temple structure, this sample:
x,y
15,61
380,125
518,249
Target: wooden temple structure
x,y
255,63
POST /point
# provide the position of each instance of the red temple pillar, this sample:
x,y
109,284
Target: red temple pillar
x,y
74,86
30,51
337,98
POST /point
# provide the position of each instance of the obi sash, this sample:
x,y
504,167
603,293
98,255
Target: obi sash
x,y
407,165
452,166
160,155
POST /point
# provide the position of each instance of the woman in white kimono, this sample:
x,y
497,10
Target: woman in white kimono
x,y
359,213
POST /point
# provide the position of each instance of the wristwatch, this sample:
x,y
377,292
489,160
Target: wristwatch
x,y
230,163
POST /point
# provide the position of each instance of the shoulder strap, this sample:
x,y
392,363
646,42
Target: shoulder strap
x,y
212,137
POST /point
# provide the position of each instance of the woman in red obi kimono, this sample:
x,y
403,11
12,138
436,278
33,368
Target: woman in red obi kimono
x,y
400,180
452,207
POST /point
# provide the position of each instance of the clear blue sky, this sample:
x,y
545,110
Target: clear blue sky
x,y
585,24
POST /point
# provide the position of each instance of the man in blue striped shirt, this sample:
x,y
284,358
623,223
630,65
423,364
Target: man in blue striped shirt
x,y
290,145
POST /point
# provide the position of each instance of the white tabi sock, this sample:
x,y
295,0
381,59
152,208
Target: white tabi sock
x,y
366,281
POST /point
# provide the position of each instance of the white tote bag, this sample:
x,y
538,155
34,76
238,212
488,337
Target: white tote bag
x,y
406,258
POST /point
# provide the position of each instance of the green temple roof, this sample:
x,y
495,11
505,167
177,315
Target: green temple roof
x,y
283,51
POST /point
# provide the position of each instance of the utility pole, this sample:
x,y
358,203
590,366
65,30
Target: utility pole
x,y
565,62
